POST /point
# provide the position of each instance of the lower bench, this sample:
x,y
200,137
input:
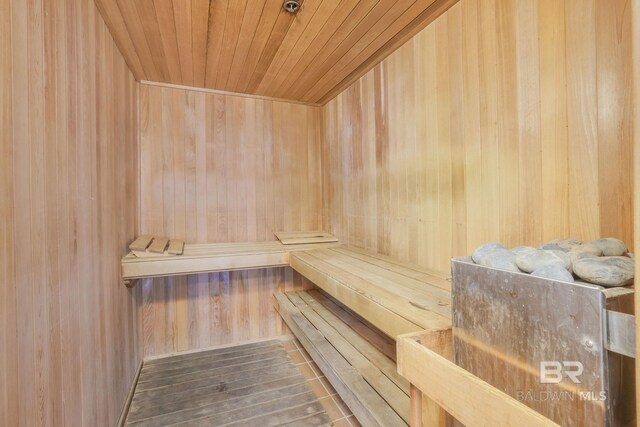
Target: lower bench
x,y
357,359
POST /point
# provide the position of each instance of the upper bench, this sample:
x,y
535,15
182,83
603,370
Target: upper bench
x,y
211,257
395,297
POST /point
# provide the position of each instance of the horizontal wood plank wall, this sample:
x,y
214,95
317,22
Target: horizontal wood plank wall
x,y
502,121
219,168
69,344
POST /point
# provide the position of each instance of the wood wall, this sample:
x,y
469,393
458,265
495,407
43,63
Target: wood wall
x,y
503,120
219,168
68,167
635,24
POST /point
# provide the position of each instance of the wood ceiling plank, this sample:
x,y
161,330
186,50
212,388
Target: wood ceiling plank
x,y
114,20
233,25
273,80
430,14
390,25
268,19
255,47
252,16
280,29
293,37
147,17
217,21
200,15
339,26
168,34
129,14
383,15
182,22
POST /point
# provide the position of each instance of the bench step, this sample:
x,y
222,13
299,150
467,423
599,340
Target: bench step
x,y
394,297
355,363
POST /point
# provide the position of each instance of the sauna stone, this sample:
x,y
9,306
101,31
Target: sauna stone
x,y
575,256
553,272
564,245
569,243
589,248
483,250
500,258
552,247
605,271
529,261
519,249
611,246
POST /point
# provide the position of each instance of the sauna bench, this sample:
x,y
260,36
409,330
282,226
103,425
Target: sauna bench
x,y
395,297
356,358
442,392
211,257
377,293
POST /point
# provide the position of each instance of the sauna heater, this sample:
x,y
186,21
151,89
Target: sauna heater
x,y
563,349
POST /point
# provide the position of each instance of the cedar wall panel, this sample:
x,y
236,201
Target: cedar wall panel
x,y
219,168
502,121
68,206
635,23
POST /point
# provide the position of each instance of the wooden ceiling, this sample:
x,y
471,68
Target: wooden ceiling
x,y
255,47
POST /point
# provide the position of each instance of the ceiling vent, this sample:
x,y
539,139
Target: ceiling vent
x,y
292,6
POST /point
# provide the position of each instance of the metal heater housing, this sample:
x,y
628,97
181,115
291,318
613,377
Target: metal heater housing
x,y
516,332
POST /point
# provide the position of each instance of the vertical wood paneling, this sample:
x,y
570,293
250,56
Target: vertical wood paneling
x,y
218,168
582,108
614,77
635,119
553,117
68,202
527,35
501,121
9,399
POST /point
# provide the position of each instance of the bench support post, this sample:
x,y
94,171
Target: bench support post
x,y
425,412
416,406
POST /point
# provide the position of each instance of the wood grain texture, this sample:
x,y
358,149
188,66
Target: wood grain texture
x,y
212,257
635,20
367,405
501,121
392,297
218,168
376,368
254,46
255,384
425,360
68,202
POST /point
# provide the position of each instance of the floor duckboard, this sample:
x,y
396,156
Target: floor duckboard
x,y
249,385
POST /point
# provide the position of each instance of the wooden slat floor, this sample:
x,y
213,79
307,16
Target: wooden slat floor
x,y
339,413
248,385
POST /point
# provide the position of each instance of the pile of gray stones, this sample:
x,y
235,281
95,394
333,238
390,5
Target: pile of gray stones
x,y
605,262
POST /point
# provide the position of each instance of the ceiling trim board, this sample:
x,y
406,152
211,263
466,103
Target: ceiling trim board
x,y
226,93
